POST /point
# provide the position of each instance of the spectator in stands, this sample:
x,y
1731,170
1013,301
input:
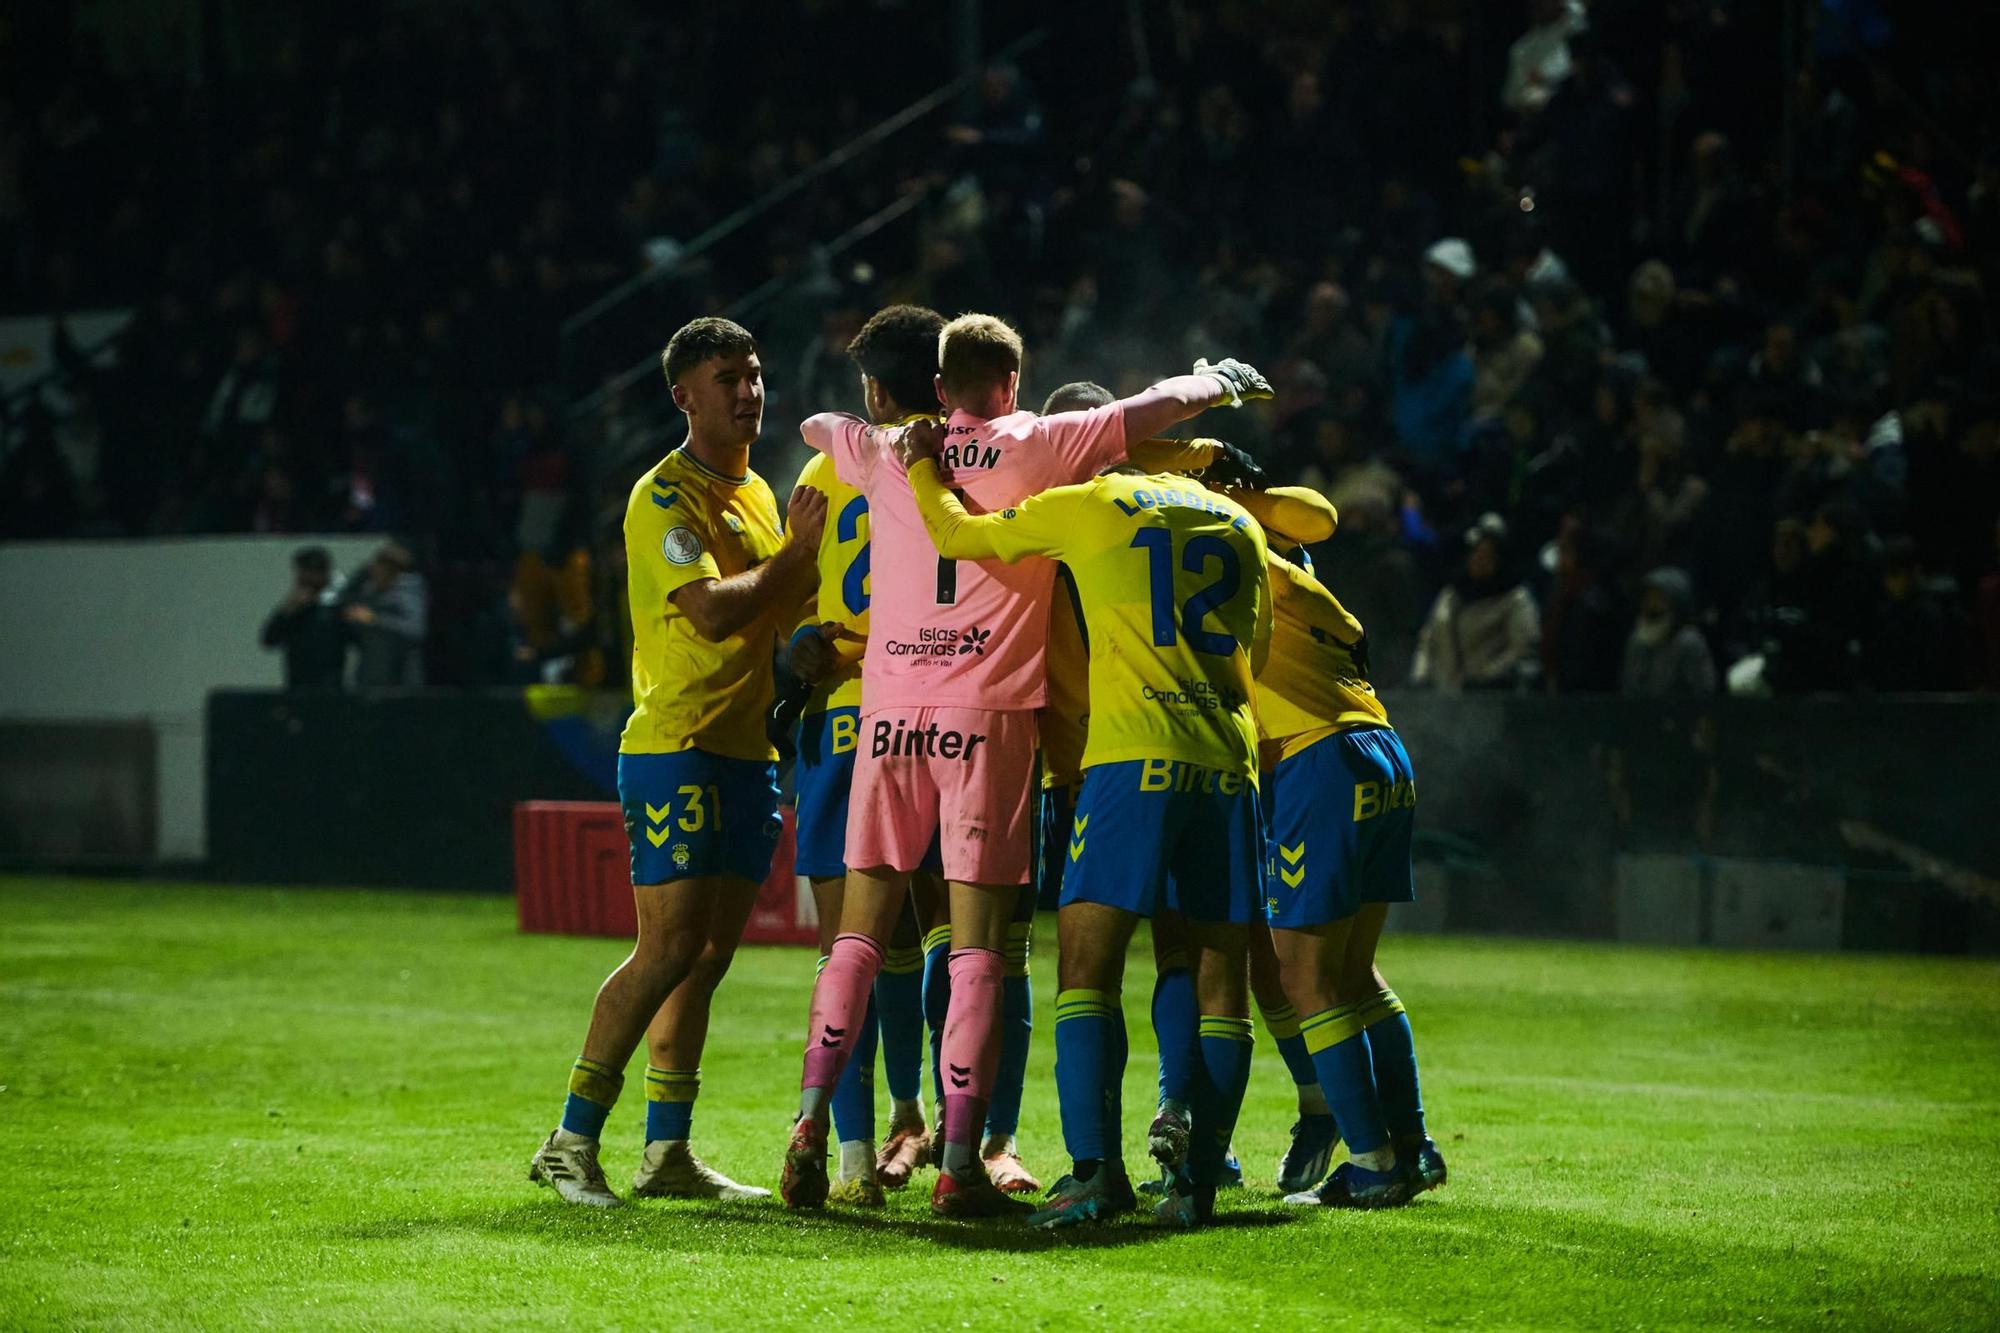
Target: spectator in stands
x,y
1538,61
386,611
307,626
1483,632
1431,371
1666,655
1582,616
1504,354
1915,641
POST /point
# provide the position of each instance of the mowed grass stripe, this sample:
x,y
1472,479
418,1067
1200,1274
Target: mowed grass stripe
x,y
259,1106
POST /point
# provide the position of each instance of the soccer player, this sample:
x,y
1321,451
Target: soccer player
x,y
951,679
1343,800
711,582
1171,579
896,352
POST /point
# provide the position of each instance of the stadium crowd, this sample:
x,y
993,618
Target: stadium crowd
x,y
1619,382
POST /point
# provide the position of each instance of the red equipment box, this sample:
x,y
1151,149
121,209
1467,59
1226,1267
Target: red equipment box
x,y
573,876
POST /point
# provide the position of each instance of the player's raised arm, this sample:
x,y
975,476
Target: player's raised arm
x,y
1218,462
1034,527
719,607
1179,397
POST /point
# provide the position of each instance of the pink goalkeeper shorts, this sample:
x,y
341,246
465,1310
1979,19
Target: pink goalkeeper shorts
x,y
963,775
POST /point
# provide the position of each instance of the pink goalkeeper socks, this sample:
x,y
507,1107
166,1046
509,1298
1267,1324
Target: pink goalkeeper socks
x,y
971,1042
839,1003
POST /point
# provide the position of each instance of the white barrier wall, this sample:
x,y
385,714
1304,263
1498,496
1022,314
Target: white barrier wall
x,y
143,630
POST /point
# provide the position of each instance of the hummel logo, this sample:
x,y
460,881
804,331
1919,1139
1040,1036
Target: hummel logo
x,y
1293,871
974,641
830,1035
961,1076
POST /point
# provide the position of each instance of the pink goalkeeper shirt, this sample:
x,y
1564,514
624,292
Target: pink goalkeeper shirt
x,y
962,633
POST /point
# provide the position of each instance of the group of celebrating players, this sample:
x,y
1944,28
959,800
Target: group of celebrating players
x,y
978,603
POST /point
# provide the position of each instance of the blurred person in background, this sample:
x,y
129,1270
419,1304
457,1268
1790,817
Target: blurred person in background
x,y
1582,615
1915,640
307,626
1484,631
1666,655
386,610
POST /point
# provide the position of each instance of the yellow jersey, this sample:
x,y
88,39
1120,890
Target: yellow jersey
x,y
1176,604
1064,721
1315,682
842,600
686,522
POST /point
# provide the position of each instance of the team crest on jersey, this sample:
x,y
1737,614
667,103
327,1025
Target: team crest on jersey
x,y
682,856
681,546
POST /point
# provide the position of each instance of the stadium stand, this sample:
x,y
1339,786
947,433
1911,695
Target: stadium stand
x,y
1727,360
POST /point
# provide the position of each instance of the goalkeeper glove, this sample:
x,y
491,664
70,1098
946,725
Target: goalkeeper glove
x,y
1240,381
1234,469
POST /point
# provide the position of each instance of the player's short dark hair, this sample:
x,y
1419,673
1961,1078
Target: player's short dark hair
x,y
702,340
898,349
977,352
1079,396
313,558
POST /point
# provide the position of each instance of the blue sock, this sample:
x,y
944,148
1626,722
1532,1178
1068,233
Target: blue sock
x,y
1175,1024
1084,1023
899,1001
937,999
854,1093
670,1095
1282,1023
1392,1053
1340,1053
1017,1027
1114,1089
1225,1045
593,1089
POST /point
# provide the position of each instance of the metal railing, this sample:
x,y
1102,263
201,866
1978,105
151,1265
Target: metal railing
x,y
753,300
708,239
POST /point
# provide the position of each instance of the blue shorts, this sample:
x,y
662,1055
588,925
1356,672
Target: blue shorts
x,y
827,742
1153,833
1341,820
694,813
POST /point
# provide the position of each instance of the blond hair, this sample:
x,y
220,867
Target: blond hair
x,y
977,352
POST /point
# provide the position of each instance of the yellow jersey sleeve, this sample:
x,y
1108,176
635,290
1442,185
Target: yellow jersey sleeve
x,y
1065,719
1163,455
667,532
1298,514
1038,525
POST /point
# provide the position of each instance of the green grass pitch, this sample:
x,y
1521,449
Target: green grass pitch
x,y
229,1106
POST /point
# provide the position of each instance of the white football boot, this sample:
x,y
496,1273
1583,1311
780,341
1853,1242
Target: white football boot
x,y
567,1163
670,1170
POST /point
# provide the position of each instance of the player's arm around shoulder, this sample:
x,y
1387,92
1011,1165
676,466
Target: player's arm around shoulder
x,y
845,439
1034,527
720,607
